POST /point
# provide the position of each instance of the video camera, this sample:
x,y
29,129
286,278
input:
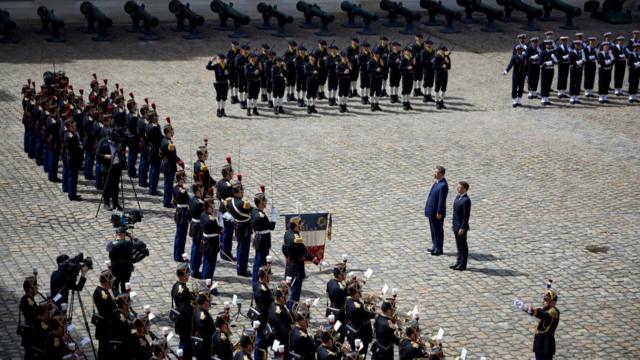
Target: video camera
x,y
70,268
120,218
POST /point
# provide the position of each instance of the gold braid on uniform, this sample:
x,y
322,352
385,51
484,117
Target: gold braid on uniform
x,y
553,313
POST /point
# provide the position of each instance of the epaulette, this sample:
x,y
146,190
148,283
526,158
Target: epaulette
x,y
202,317
246,205
171,147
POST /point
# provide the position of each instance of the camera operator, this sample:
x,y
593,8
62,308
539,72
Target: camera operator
x,y
64,278
105,306
121,255
112,160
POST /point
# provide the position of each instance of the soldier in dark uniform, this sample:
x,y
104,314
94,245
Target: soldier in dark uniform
x,y
220,82
240,62
620,54
120,254
154,140
337,293
263,300
519,64
296,254
311,75
210,239
544,343
352,53
159,349
143,166
181,216
233,52
196,208
140,347
427,55
590,65
170,162
224,190
52,144
407,68
322,54
301,343
104,305
358,319
547,60
221,344
267,65
203,328
577,59
88,143
393,61
55,346
375,69
441,66
416,48
120,329
246,349
634,72
182,309
279,83
289,59
343,74
240,211
562,53
383,46
111,160
522,40
201,172
29,310
280,319
385,327
301,84
410,347
73,147
253,73
332,59
605,60
262,227
533,69
263,57
363,63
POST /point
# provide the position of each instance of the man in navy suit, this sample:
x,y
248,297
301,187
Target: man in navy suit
x,y
435,209
461,213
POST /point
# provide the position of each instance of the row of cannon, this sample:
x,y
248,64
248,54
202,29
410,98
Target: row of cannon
x,y
230,19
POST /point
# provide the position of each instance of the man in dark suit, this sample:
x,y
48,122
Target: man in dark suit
x,y
461,213
435,209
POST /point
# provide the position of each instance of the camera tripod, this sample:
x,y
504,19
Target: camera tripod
x,y
84,317
123,164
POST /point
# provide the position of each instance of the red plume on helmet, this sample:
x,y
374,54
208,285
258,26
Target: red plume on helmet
x,y
81,91
168,119
121,91
239,177
153,105
29,82
131,95
95,77
146,101
262,188
210,191
105,81
117,86
228,158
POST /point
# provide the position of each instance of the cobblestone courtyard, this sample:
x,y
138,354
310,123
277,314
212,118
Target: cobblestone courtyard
x,y
547,185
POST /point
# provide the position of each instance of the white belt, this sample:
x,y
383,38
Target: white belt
x,y
262,232
242,221
209,235
182,206
195,220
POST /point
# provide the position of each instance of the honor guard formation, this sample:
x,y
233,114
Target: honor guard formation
x,y
328,73
576,61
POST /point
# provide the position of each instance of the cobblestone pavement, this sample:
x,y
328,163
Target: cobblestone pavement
x,y
545,184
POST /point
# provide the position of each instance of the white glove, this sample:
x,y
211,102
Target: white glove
x,y
548,63
607,62
274,214
637,65
621,56
535,57
592,57
579,62
504,72
566,57
227,216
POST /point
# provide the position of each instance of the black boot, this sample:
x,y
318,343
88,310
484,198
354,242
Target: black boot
x,y
275,110
300,103
442,106
438,105
409,106
378,108
321,95
219,113
384,93
373,107
429,98
309,111
281,110
313,109
255,111
243,105
332,102
290,97
395,99
234,99
263,98
270,103
248,112
223,113
343,108
365,100
405,106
